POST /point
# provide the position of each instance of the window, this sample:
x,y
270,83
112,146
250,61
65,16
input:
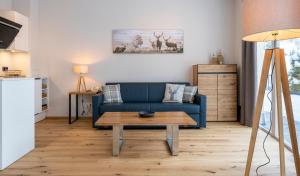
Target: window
x,y
266,114
292,56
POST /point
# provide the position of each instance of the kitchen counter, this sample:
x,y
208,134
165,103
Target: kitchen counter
x,y
16,119
14,78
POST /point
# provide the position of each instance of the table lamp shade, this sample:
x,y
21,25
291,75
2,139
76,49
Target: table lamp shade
x,y
80,69
263,18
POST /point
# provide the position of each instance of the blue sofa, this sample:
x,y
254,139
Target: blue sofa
x,y
148,97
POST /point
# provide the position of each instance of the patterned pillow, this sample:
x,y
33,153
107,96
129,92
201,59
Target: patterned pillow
x,y
189,93
112,94
173,93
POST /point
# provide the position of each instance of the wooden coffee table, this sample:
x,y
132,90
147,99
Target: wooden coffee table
x,y
171,120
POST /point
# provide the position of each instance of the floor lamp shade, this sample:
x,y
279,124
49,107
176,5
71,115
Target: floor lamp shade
x,y
264,18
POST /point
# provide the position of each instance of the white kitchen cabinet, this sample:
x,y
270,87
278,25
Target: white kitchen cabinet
x,y
16,119
21,42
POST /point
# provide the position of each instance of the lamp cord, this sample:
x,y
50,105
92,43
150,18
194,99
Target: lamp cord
x,y
269,131
86,108
82,104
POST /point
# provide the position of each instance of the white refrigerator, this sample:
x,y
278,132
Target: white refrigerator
x,y
16,119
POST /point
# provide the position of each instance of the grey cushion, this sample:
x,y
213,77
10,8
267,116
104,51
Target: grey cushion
x,y
174,93
185,107
112,94
189,93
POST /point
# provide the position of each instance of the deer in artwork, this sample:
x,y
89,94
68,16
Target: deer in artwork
x,y
170,45
120,49
158,42
153,43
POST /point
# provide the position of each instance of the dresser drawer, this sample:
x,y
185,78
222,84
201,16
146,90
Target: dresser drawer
x,y
217,68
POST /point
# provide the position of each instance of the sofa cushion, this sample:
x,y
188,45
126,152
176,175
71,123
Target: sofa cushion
x,y
112,94
189,93
133,92
157,90
130,107
186,107
173,93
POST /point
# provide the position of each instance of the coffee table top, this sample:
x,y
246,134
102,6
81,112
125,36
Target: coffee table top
x,y
132,118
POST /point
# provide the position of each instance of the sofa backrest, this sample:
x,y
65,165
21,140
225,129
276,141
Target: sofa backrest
x,y
134,92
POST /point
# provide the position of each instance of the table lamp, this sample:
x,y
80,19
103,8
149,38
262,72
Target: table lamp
x,y
273,20
81,70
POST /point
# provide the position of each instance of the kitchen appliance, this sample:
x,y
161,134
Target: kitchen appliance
x,y
8,32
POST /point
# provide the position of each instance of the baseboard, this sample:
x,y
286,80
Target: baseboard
x,y
55,117
39,117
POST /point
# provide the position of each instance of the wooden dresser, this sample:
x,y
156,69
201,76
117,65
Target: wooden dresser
x,y
219,84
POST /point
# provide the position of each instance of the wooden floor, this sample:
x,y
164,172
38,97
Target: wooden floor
x,y
78,149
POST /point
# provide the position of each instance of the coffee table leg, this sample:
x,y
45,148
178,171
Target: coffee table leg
x,y
173,138
117,139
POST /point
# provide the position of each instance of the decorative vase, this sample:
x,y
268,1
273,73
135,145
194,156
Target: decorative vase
x,y
220,58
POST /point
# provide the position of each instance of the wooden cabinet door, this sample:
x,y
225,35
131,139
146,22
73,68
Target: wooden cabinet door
x,y
211,104
227,97
227,81
208,81
208,85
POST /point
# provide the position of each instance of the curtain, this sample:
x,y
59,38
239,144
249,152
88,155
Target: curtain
x,y
248,83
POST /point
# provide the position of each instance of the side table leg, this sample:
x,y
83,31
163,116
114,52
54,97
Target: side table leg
x,y
76,107
70,108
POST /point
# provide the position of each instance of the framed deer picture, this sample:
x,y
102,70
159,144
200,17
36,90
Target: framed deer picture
x,y
147,41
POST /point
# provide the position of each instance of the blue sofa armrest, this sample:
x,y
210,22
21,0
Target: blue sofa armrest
x,y
97,101
201,100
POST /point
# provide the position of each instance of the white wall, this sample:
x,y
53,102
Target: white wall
x,y
22,6
5,4
238,41
79,32
238,32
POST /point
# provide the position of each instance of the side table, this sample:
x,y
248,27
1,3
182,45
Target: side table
x,y
77,94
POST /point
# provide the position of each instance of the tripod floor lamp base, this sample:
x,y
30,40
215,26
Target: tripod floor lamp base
x,y
81,87
282,86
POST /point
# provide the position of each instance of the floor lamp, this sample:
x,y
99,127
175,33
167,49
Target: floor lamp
x,y
273,20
